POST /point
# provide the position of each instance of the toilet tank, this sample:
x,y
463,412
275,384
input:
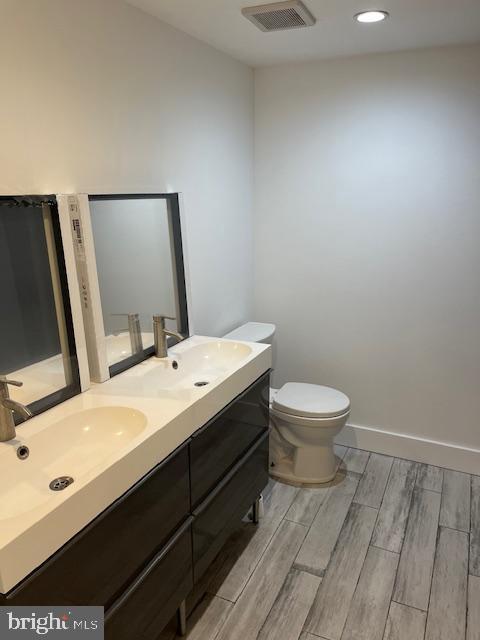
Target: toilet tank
x,y
255,332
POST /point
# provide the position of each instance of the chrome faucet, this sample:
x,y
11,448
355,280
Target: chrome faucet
x,y
134,331
7,407
160,335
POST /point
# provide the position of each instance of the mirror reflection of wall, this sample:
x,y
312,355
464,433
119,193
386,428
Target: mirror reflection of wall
x,y
135,270
34,343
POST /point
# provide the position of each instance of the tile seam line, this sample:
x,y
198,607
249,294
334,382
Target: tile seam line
x,y
290,569
363,564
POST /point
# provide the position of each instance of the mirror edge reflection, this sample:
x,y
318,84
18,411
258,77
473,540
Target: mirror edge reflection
x,y
66,305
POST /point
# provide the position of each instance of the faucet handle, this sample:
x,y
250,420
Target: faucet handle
x,y
160,316
14,383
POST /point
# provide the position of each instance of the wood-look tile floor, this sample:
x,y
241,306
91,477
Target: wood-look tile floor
x,y
390,550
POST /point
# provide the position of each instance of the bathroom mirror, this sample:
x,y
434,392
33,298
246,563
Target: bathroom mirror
x,y
139,262
37,346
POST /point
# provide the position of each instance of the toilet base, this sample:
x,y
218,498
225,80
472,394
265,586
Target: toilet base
x,y
283,470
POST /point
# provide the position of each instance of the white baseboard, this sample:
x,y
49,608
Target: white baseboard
x,y
440,454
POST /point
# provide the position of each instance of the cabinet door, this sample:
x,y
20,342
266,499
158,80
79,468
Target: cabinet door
x,y
216,447
222,511
98,563
150,602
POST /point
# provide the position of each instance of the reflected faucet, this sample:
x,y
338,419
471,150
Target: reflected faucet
x,y
134,331
160,335
7,407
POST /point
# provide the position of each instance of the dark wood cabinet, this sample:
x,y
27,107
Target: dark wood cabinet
x,y
219,514
142,556
217,446
152,599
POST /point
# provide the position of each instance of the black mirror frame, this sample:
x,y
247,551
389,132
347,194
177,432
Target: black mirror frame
x,y
174,224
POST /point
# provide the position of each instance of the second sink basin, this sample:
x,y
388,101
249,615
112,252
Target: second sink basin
x,y
219,356
187,367
201,364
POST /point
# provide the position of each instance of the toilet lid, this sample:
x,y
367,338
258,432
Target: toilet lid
x,y
252,332
310,400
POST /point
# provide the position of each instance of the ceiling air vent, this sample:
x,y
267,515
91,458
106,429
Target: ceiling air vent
x,y
279,15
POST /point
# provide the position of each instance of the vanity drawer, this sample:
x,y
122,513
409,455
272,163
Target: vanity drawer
x,y
97,564
223,510
152,599
217,446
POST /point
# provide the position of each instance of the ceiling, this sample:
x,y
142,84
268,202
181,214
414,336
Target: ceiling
x,y
413,24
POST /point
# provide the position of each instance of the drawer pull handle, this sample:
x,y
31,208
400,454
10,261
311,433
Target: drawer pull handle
x,y
148,570
213,494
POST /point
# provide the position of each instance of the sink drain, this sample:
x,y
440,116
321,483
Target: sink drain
x,y
23,452
201,383
59,484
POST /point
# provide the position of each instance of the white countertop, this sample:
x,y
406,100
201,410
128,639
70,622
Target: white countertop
x,y
28,538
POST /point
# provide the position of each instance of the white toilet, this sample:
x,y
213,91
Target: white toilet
x,y
305,420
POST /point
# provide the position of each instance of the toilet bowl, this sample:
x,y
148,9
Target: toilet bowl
x,y
308,417
305,419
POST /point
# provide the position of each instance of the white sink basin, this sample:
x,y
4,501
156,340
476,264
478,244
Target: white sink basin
x,y
219,356
204,363
198,365
70,447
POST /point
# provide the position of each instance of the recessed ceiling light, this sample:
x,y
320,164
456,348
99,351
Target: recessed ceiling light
x,y
371,16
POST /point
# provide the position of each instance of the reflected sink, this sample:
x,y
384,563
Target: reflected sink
x,y
70,447
118,346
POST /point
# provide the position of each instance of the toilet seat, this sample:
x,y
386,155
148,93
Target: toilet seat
x,y
310,402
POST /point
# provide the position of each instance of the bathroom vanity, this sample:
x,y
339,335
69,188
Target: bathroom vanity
x,y
142,555
137,465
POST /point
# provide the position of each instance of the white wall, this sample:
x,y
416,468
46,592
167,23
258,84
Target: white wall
x,y
100,97
367,234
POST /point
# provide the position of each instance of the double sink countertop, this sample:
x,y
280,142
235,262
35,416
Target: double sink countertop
x,y
107,439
